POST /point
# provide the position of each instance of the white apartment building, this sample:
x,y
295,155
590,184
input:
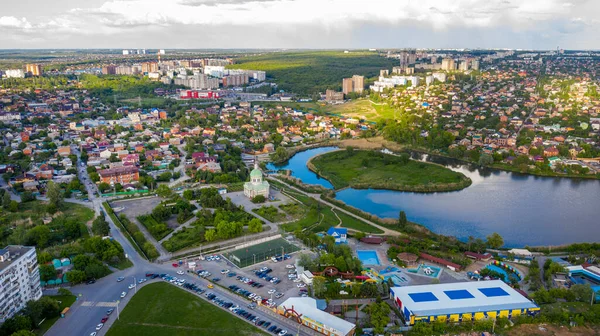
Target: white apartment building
x,y
14,73
19,279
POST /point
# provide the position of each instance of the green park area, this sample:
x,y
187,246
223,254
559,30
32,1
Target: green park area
x,y
364,109
163,309
370,169
310,72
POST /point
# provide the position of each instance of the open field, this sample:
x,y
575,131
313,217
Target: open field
x,y
260,252
363,109
307,72
162,309
369,169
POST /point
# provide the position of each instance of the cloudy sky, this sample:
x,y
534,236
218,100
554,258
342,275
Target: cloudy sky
x,y
165,24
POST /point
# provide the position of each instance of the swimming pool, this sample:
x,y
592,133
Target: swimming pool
x,y
368,257
427,270
508,276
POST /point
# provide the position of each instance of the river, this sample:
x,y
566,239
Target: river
x,y
524,209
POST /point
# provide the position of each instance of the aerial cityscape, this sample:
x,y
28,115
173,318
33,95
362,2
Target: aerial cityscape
x,y
388,168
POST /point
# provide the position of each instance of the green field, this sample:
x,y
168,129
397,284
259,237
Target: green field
x,y
260,252
163,309
369,169
364,109
270,213
308,72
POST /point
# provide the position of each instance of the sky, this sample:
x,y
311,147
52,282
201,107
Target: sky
x,y
318,24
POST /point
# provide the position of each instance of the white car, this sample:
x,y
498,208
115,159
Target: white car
x,y
180,272
274,279
99,326
142,280
123,294
271,291
225,271
290,266
301,285
263,269
93,334
282,333
297,280
131,286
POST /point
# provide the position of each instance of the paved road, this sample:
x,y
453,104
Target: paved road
x,y
94,300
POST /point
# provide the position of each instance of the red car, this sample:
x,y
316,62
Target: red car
x,y
175,265
104,319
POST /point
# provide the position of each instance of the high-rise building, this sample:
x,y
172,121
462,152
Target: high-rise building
x,y
148,67
109,70
463,65
448,64
19,279
347,85
475,64
34,69
384,73
358,83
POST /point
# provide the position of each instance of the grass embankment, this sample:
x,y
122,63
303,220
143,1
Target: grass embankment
x,y
270,213
316,216
162,309
63,302
369,169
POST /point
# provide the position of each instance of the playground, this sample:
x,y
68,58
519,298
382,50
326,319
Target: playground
x,y
427,270
254,254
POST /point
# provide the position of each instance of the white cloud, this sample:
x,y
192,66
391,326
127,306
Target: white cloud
x,y
312,23
13,22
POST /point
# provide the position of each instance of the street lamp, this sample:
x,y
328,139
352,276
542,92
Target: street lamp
x,y
118,315
134,284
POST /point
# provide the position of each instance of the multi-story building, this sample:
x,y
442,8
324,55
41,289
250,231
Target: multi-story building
x,y
148,67
347,85
475,64
14,73
125,174
19,279
109,70
358,83
448,64
333,96
34,69
463,65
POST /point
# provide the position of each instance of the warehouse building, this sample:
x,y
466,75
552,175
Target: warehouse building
x,y
310,312
462,301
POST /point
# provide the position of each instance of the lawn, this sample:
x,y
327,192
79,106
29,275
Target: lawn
x,y
64,301
270,213
157,229
185,237
34,211
163,309
364,109
370,169
356,224
308,72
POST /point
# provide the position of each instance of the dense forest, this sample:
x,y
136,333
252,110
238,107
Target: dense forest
x,y
315,71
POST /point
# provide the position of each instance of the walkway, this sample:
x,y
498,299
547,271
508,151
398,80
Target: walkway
x,y
179,228
317,197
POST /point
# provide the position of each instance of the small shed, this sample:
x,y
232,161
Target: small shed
x,y
56,263
65,262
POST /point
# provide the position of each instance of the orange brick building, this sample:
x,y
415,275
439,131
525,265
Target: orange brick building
x,y
126,174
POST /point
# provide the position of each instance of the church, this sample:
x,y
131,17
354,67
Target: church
x,y
256,186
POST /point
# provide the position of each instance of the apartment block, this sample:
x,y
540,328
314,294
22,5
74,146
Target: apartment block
x,y
19,279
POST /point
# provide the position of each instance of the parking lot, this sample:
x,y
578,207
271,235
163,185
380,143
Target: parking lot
x,y
247,279
136,207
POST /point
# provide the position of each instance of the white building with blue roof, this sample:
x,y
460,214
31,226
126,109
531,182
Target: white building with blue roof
x,y
461,302
339,234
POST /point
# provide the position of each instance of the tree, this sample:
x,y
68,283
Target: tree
x,y
379,316
76,276
495,240
402,221
34,309
100,226
47,272
50,307
6,200
210,235
13,206
255,225
188,195
16,324
349,151
27,196
23,332
55,197
258,199
38,236
319,287
163,190
359,235
485,160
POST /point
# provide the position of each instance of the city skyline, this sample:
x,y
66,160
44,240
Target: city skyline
x,y
300,24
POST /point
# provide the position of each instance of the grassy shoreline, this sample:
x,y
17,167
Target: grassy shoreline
x,y
362,169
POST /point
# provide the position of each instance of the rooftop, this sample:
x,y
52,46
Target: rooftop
x,y
14,252
460,297
308,308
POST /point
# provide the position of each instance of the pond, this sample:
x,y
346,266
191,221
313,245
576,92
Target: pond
x,y
524,209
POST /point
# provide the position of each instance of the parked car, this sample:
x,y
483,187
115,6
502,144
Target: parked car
x,y
119,279
123,294
108,312
99,326
104,319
